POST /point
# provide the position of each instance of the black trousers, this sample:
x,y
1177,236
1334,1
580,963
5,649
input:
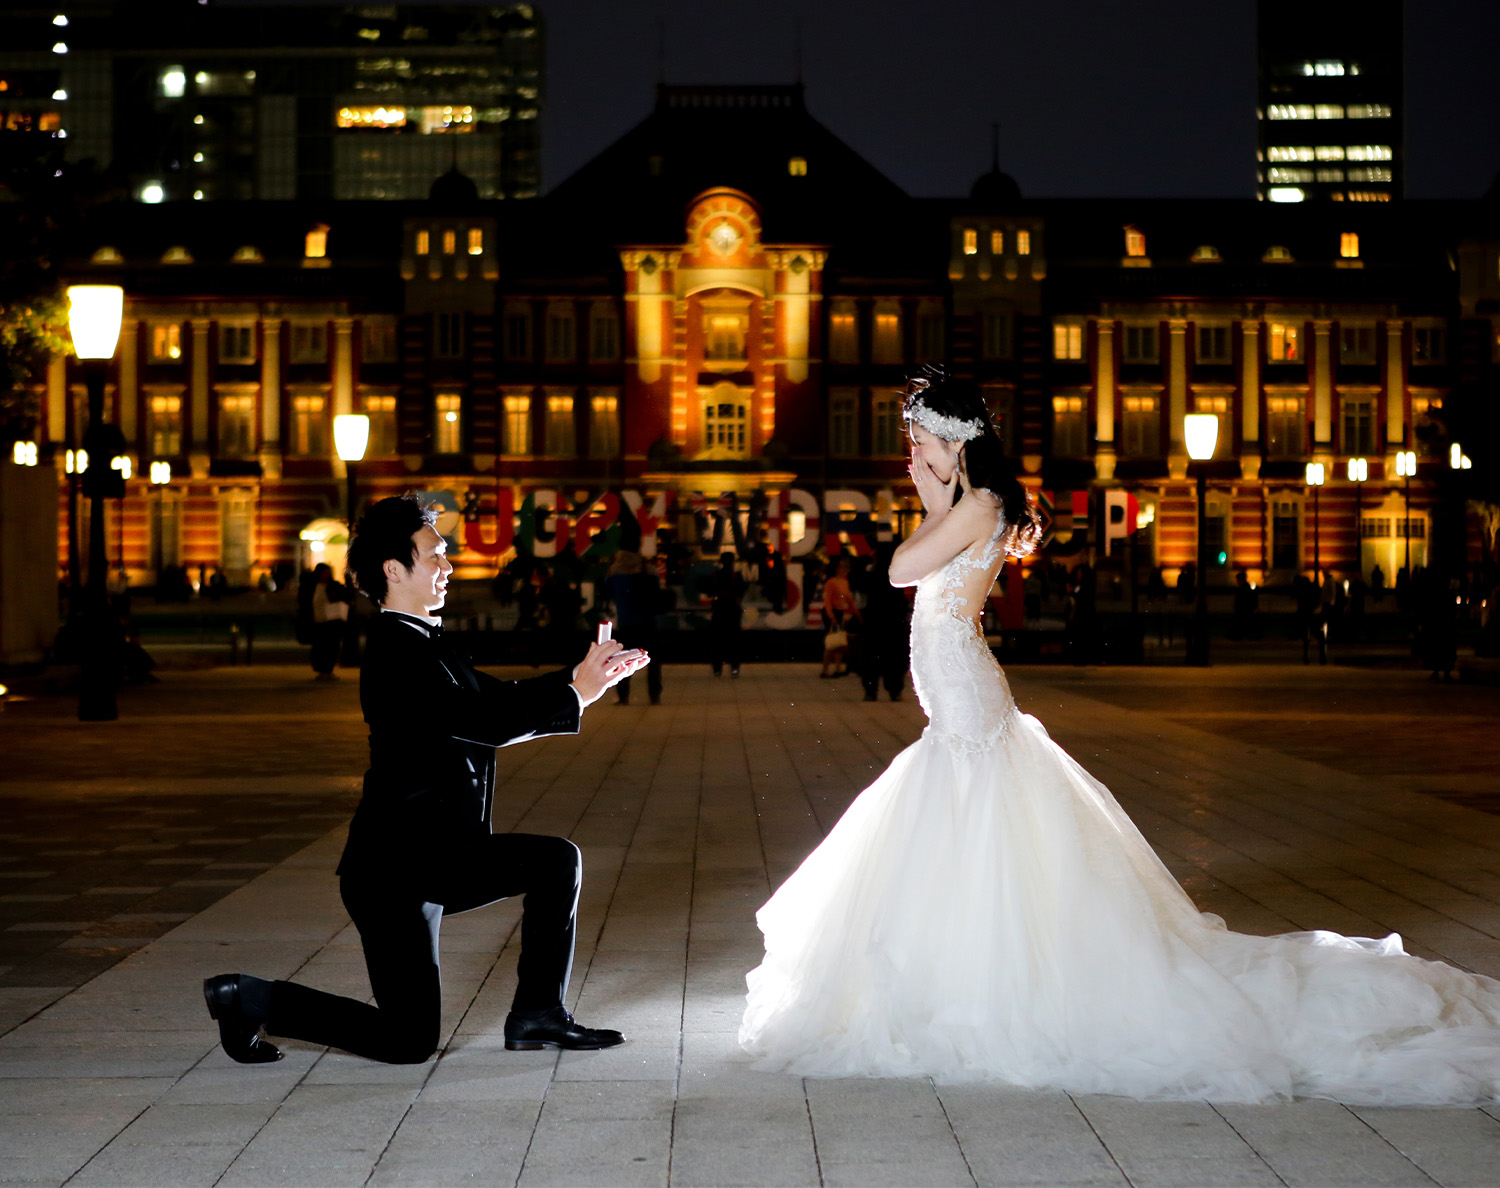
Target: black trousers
x,y
399,920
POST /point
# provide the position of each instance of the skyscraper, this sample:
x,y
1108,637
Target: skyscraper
x,y
182,99
1329,100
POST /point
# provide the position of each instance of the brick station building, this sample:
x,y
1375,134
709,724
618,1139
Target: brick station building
x,y
718,313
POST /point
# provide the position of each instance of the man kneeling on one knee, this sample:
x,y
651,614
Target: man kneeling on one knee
x,y
420,845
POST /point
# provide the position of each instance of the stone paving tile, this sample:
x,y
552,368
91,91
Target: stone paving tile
x,y
689,814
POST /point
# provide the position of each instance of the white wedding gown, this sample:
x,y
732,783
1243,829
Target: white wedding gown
x,y
986,911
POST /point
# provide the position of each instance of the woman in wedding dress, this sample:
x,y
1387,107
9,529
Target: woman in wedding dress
x,y
985,910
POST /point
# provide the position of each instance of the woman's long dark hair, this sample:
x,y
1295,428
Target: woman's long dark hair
x,y
984,457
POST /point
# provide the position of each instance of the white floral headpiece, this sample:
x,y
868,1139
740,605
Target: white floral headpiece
x,y
948,428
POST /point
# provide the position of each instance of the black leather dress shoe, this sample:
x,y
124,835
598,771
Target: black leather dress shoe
x,y
238,1032
555,1029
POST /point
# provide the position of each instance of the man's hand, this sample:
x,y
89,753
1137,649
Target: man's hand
x,y
600,670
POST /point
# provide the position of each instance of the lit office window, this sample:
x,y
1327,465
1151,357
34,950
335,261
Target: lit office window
x,y
1377,173
448,435
1328,152
308,425
971,241
997,243
382,413
1328,111
1281,175
1284,342
236,425
1369,111
1069,431
166,342
476,241
1067,340
518,424
370,115
560,440
1023,243
1289,152
165,426
1368,152
450,242
424,242
1369,195
1349,245
1290,111
604,424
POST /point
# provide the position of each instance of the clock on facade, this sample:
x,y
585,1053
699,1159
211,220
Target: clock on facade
x,y
723,238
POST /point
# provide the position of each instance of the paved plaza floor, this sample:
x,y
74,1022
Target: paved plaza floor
x,y
198,835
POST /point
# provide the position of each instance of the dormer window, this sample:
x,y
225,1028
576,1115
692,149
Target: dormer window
x,y
476,241
177,254
107,255
1023,243
1277,254
1349,245
797,167
1205,253
424,242
971,241
450,242
997,243
1135,242
248,254
315,245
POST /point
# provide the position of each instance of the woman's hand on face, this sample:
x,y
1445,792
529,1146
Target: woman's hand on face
x,y
937,496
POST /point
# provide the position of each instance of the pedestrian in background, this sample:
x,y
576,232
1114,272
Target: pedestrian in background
x,y
840,616
635,595
328,611
724,621
885,632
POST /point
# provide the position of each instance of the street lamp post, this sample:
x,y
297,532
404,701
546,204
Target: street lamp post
x,y
1201,431
1359,471
94,314
1406,466
351,436
1315,479
161,476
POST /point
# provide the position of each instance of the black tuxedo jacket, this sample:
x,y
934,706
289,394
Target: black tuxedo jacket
x,y
434,725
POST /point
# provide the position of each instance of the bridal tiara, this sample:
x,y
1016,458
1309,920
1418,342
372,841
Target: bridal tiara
x,y
946,427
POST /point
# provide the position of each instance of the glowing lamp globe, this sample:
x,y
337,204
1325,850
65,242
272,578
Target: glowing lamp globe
x,y
1359,470
94,313
1315,474
351,434
1201,431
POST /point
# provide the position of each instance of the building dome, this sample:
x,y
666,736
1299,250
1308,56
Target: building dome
x,y
454,189
995,190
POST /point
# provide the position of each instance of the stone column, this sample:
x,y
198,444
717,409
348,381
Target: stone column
x,y
1104,399
199,454
1395,386
1322,386
1250,399
270,397
1177,395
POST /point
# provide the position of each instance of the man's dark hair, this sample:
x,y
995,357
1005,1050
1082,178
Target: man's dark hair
x,y
384,533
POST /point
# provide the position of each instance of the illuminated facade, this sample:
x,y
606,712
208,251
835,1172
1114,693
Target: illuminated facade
x,y
214,102
1330,101
716,315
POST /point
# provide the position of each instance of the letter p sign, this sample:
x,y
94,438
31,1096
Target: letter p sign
x,y
1120,511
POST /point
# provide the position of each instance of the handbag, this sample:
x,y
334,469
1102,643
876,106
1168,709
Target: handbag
x,y
835,639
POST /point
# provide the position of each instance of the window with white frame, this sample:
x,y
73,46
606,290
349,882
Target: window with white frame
x,y
378,340
1356,344
562,339
448,335
236,421
726,329
309,342
164,412
309,424
885,423
843,332
726,421
1359,424
236,342
164,342
517,423
604,331
380,407
1140,343
1428,344
995,334
560,440
604,423
1067,340
1286,535
1069,428
516,342
166,530
843,422
1286,425
236,533
1140,430
887,341
1213,344
448,423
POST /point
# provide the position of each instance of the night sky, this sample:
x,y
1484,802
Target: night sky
x,y
1094,97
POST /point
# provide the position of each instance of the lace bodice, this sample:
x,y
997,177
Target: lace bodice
x,y
958,681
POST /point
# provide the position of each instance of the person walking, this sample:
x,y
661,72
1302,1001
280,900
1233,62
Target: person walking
x,y
634,593
885,633
841,616
328,612
724,622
